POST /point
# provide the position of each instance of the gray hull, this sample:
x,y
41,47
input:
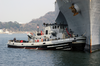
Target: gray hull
x,y
87,22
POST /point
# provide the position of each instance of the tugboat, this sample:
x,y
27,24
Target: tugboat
x,y
55,37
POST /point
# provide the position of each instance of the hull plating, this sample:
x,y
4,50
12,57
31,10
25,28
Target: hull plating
x,y
86,22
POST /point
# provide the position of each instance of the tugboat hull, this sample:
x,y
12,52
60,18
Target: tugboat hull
x,y
72,43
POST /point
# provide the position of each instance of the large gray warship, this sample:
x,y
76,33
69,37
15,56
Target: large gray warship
x,y
83,18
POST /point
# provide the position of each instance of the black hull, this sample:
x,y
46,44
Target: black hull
x,y
31,47
79,47
40,47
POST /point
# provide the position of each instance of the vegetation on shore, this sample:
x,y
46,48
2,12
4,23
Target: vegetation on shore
x,y
31,26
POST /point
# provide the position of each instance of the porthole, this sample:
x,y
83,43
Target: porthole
x,y
43,43
32,44
74,38
55,27
58,26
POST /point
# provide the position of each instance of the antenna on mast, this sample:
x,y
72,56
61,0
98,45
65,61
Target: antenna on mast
x,y
38,28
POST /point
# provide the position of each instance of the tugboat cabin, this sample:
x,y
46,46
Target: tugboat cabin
x,y
51,32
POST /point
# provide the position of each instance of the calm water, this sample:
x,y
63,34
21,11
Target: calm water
x,y
27,57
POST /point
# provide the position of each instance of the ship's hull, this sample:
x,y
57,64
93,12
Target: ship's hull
x,y
61,44
85,23
44,47
64,46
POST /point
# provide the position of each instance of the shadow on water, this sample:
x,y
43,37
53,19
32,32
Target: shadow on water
x,y
76,58
27,57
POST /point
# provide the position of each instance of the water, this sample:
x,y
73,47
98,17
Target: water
x,y
27,57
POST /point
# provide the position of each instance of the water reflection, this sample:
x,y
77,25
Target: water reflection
x,y
69,58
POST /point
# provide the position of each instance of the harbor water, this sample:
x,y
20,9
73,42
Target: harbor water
x,y
28,57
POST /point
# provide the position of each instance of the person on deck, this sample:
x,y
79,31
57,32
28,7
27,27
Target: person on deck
x,y
14,40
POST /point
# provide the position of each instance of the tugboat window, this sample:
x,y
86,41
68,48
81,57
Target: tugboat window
x,y
55,27
58,26
46,32
38,34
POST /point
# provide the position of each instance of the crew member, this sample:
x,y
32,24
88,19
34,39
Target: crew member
x,y
14,39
